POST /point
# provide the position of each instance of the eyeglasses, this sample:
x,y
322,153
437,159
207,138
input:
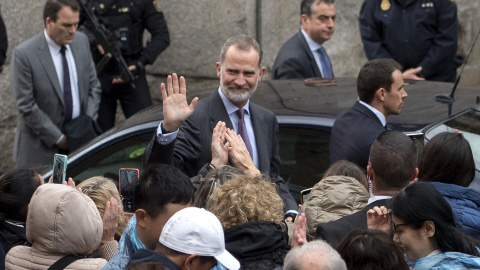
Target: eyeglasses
x,y
395,226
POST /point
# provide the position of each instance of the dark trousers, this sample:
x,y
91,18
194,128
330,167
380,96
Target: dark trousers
x,y
131,99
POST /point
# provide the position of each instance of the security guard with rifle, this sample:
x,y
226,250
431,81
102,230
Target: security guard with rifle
x,y
115,30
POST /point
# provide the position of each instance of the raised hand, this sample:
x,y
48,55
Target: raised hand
x,y
219,148
300,231
175,106
239,154
378,218
110,221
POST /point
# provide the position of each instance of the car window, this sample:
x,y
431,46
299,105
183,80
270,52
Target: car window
x,y
303,151
304,154
106,162
469,124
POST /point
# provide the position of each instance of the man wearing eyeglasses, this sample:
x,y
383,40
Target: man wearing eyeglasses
x,y
392,166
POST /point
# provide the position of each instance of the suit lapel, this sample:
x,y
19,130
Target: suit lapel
x,y
77,56
261,137
312,63
47,62
218,112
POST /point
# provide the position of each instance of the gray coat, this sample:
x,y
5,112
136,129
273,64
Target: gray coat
x,y
39,97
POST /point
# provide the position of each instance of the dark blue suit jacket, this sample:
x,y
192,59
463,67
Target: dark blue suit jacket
x,y
353,133
295,60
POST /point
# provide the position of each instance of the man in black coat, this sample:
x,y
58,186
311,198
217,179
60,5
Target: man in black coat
x,y
380,91
393,164
3,43
303,55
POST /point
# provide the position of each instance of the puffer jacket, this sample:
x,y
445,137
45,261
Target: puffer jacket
x,y
465,203
61,221
332,198
258,245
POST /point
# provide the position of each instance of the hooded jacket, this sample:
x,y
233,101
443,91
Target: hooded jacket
x,y
259,245
465,203
61,221
332,198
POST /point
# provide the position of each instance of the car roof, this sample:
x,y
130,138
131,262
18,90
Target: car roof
x,y
295,98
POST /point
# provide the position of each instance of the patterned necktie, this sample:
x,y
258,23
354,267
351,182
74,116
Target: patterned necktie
x,y
326,67
242,130
67,90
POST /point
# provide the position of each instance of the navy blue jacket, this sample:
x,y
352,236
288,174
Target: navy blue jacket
x,y
465,203
353,133
414,33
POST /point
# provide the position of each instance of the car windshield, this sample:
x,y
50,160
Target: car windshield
x,y
469,124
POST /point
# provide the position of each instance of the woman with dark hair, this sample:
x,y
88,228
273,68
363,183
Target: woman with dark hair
x,y
424,226
447,163
371,249
16,190
447,158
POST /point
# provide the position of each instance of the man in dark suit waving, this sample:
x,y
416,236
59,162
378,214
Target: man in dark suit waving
x,y
303,55
187,130
380,93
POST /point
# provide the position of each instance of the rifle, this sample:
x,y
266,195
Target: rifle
x,y
110,45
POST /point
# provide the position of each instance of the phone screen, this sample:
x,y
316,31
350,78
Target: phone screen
x,y
127,181
59,168
304,195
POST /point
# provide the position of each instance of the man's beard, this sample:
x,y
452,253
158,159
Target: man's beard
x,y
237,96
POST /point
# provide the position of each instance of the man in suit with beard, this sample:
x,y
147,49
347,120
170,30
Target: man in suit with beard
x,y
186,130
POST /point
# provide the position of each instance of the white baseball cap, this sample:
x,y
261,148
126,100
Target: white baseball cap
x,y
195,230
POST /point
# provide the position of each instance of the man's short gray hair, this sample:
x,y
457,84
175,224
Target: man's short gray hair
x,y
311,251
243,43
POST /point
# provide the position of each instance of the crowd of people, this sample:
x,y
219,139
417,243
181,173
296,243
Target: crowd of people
x,y
210,194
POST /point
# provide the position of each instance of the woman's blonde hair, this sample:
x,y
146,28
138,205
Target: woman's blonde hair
x,y
101,189
245,199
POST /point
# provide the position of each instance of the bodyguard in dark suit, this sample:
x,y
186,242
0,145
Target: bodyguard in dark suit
x,y
380,91
189,135
48,91
303,55
393,165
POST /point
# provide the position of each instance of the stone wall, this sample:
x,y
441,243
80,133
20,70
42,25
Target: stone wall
x,y
199,28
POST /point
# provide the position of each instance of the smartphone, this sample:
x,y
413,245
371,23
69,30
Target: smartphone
x,y
418,139
127,180
304,195
59,168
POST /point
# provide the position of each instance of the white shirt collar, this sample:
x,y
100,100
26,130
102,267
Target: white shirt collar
x,y
380,115
231,108
377,198
52,44
314,46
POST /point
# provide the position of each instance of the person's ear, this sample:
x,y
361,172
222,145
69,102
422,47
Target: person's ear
x,y
190,261
260,74
304,19
218,66
142,217
429,228
414,175
380,94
